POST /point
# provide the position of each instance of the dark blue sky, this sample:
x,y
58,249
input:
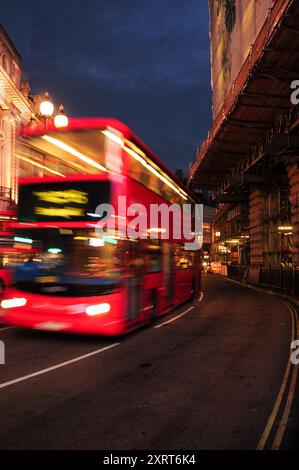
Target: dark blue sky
x,y
145,62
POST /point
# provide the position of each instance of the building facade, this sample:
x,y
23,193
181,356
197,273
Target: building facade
x,y
250,158
15,109
17,157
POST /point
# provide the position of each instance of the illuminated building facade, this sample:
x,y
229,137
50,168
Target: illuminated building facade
x,y
250,158
17,158
15,109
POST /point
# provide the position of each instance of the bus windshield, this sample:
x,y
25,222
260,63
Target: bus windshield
x,y
68,261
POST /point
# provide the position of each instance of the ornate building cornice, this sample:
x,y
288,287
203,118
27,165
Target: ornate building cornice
x,y
11,95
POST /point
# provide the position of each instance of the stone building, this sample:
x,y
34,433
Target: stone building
x,y
250,158
15,109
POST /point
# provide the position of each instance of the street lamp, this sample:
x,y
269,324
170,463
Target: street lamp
x,y
32,122
61,120
46,107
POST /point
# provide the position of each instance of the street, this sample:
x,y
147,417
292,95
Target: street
x,y
200,378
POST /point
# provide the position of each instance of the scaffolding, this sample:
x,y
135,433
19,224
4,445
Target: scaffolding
x,y
277,228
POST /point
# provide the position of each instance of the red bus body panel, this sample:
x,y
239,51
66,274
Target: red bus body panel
x,y
68,314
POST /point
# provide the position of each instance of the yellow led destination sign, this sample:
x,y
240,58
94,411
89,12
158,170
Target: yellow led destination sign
x,y
66,212
62,197
70,200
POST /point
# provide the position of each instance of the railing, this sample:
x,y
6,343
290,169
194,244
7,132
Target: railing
x,y
286,279
5,198
5,193
237,272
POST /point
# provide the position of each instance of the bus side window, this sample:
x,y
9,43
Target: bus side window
x,y
134,261
153,261
183,258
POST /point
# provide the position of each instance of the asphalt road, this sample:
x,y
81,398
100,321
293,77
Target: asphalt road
x,y
206,380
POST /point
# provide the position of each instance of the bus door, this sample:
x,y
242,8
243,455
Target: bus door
x,y
134,282
169,274
198,268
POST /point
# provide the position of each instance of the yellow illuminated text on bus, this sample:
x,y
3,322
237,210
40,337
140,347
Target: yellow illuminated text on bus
x,y
62,197
60,212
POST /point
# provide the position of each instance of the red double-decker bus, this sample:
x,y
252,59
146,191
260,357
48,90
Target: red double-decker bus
x,y
75,279
8,254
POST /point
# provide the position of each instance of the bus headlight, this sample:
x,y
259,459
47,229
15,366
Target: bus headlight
x,y
98,309
12,303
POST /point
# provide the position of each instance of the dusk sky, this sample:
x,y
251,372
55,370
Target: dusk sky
x,y
144,62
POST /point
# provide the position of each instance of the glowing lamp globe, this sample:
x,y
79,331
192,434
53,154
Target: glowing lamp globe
x,y
61,120
46,107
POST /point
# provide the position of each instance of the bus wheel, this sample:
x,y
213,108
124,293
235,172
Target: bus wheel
x,y
154,303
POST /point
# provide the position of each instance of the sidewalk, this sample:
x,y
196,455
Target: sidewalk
x,y
293,299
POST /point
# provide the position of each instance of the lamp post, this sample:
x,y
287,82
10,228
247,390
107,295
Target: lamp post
x,y
46,109
61,120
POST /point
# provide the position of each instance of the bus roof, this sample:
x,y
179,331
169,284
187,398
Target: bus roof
x,y
103,123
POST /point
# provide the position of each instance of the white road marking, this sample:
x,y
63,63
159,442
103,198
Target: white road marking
x,y
8,328
288,371
57,366
174,318
200,297
146,308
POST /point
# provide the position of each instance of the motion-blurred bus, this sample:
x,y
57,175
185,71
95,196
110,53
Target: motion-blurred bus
x,y
74,280
8,254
